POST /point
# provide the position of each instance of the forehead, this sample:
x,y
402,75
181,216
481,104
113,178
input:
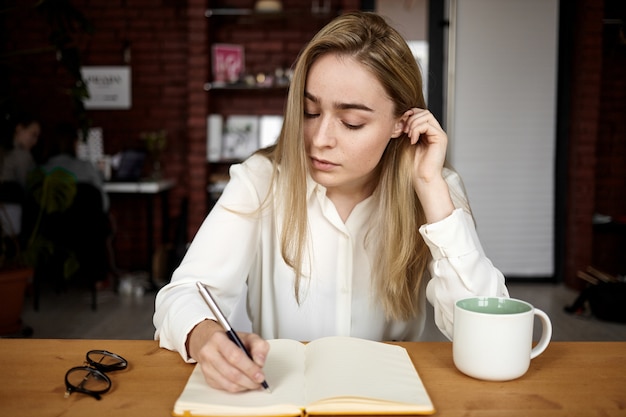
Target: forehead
x,y
341,79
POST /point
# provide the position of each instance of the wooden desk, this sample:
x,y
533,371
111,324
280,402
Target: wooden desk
x,y
569,379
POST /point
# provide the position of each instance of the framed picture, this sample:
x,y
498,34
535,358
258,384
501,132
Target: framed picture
x,y
109,87
240,137
228,62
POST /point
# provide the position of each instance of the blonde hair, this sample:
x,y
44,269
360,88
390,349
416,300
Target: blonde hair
x,y
401,254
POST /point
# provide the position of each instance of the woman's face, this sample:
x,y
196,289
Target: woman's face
x,y
26,136
348,121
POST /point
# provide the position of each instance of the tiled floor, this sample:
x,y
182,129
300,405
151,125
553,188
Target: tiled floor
x,y
68,315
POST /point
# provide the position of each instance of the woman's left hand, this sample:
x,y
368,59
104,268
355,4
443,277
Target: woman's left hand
x,y
431,143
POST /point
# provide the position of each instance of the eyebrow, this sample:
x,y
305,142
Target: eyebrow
x,y
340,106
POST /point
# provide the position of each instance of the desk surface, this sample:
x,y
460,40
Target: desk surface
x,y
139,187
568,379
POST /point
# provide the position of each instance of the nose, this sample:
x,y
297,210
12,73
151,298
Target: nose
x,y
322,132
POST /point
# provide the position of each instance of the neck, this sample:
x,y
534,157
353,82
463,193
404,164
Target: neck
x,y
346,200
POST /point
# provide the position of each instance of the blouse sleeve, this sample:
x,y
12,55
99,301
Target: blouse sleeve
x,y
459,267
220,255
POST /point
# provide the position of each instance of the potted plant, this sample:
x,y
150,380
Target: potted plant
x,y
14,271
155,145
21,253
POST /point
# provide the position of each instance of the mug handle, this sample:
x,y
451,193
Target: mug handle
x,y
546,334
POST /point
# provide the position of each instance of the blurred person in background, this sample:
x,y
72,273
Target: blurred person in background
x,y
16,160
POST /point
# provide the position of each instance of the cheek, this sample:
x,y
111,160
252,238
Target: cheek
x,y
369,156
307,134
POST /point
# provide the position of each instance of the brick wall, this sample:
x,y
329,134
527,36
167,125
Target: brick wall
x,y
585,93
169,44
609,242
597,141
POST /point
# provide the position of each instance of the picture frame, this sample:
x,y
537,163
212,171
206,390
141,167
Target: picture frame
x,y
240,137
228,61
109,87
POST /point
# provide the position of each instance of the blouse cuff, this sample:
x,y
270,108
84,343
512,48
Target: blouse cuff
x,y
450,237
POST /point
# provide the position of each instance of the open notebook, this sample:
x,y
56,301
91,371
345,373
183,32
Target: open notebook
x,y
329,376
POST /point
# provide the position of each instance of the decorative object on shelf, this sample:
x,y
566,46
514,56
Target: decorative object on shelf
x,y
240,137
237,137
268,6
228,63
155,144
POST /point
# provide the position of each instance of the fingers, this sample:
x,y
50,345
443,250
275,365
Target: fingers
x,y
257,347
227,367
422,122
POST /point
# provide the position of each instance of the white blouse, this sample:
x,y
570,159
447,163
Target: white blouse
x,y
235,251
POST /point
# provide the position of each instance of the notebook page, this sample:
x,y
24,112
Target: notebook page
x,y
350,367
284,373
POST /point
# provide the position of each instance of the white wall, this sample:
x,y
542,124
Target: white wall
x,y
502,125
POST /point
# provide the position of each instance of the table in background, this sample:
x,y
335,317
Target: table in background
x,y
148,188
568,379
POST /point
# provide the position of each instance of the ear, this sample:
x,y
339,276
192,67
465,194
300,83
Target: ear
x,y
398,128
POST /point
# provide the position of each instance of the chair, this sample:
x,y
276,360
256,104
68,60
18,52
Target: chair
x,y
78,241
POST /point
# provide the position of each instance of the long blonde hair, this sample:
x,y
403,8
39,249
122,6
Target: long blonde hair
x,y
402,255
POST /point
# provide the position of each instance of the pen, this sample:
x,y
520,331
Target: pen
x,y
232,335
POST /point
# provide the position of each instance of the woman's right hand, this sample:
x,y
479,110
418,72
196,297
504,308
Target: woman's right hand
x,y
223,364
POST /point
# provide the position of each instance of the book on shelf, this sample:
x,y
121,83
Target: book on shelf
x,y
329,376
214,137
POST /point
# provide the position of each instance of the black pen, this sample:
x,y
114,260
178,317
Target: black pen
x,y
232,335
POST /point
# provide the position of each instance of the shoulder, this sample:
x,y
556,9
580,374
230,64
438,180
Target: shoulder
x,y
258,162
254,167
255,172
18,154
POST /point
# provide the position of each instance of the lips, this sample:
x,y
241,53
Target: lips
x,y
322,165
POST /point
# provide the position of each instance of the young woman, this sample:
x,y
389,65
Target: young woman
x,y
344,227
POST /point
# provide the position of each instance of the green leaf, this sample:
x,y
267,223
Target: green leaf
x,y
53,191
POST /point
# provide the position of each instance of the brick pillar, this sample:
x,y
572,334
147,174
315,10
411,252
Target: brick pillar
x,y
584,119
197,110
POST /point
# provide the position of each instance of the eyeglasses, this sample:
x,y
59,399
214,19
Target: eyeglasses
x,y
91,379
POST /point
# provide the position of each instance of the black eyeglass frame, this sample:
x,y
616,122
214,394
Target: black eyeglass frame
x,y
97,369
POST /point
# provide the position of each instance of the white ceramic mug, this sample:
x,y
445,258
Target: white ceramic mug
x,y
492,337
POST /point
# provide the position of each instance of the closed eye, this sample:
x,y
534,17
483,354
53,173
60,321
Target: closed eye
x,y
310,115
352,127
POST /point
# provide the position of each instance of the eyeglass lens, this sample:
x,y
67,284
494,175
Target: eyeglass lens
x,y
105,361
87,380
91,379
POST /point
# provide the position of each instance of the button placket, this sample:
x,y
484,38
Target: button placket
x,y
344,286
